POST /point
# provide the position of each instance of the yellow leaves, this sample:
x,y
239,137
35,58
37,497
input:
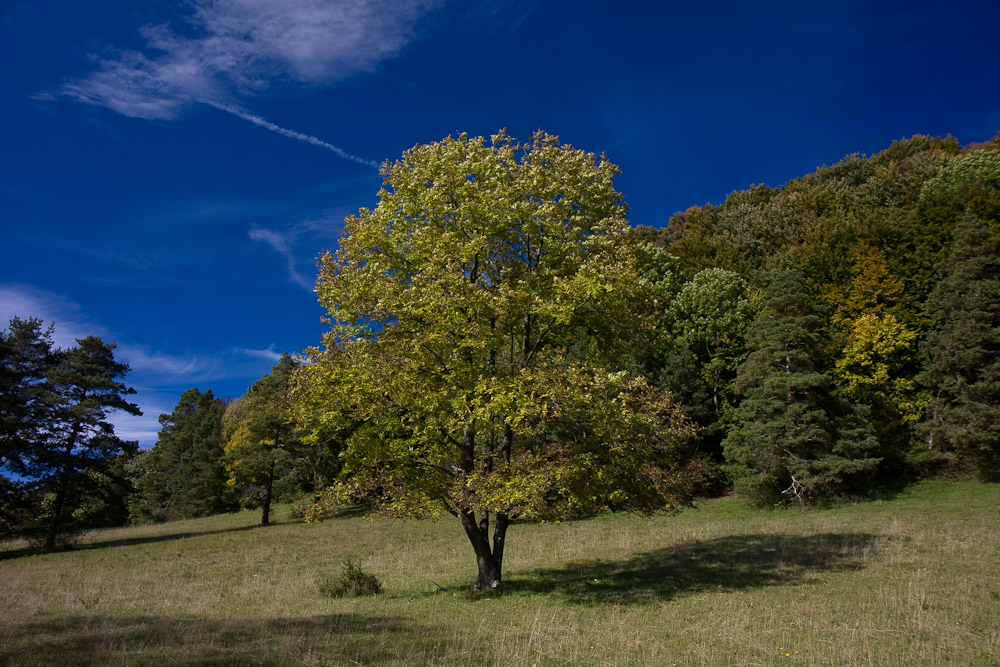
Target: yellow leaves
x,y
872,289
878,347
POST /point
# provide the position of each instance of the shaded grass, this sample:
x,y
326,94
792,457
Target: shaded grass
x,y
911,580
722,564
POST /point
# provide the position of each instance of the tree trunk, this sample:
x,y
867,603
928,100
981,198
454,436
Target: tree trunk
x,y
60,505
489,561
266,518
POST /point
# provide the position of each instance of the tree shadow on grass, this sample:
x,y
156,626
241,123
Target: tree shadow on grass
x,y
124,541
192,641
724,564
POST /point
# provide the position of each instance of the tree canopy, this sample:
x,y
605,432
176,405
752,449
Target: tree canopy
x,y
457,307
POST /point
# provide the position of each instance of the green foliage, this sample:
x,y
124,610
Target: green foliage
x,y
709,317
963,353
26,356
352,582
873,237
81,443
791,439
262,446
55,437
457,307
184,472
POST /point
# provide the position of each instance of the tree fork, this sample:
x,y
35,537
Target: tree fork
x,y
486,559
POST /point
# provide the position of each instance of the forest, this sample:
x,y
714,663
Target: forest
x,y
505,347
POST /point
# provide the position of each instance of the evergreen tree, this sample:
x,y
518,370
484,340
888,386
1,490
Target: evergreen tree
x,y
791,439
184,472
963,352
79,443
26,354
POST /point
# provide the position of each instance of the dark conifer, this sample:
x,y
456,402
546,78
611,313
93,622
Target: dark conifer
x,y
962,349
184,473
791,439
79,442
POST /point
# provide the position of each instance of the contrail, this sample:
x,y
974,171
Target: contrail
x,y
292,134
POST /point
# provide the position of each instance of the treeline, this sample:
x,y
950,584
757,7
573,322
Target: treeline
x,y
64,470
503,343
843,331
214,455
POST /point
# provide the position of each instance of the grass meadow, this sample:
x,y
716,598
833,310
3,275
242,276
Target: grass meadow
x,y
914,580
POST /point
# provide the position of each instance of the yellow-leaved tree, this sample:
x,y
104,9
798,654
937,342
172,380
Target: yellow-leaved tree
x,y
473,315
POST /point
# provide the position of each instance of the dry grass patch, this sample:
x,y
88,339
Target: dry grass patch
x,y
913,580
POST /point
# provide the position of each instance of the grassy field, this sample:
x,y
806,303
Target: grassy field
x,y
910,581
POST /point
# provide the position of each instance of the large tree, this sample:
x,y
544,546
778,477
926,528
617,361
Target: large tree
x,y
79,444
963,352
792,438
457,309
26,356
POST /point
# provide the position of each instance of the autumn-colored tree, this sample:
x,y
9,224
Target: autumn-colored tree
x,y
261,440
456,306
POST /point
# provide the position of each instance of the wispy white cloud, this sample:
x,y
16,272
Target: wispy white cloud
x,y
158,376
166,367
307,237
155,374
268,354
281,244
67,318
225,51
70,324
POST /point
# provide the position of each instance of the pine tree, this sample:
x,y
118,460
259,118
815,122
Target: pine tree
x,y
184,472
963,352
26,355
79,442
791,439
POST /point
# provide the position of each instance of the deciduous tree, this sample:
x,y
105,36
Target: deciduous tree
x,y
261,440
455,305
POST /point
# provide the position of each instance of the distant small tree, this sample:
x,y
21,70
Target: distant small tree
x,y
791,438
262,442
963,352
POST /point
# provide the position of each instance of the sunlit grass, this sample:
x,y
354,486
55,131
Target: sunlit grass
x,y
909,581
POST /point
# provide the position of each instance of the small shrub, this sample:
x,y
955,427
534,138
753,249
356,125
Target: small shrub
x,y
352,582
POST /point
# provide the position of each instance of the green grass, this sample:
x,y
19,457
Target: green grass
x,y
910,581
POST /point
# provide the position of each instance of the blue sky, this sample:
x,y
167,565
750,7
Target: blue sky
x,y
169,171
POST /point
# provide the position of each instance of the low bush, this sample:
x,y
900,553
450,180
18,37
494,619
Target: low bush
x,y
351,582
